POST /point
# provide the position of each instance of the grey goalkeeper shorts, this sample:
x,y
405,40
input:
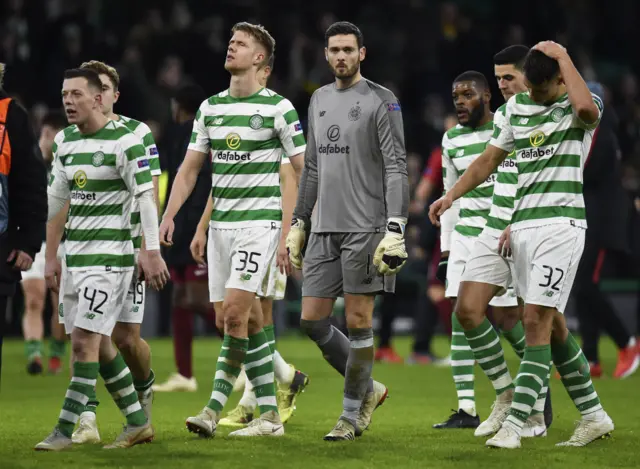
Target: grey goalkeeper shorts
x,y
339,263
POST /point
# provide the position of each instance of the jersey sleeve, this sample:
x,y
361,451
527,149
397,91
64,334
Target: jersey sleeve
x,y
289,129
199,136
285,159
151,149
502,136
449,177
58,182
308,188
600,105
133,165
391,138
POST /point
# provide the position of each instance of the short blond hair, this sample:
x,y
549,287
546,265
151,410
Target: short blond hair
x,y
261,35
102,68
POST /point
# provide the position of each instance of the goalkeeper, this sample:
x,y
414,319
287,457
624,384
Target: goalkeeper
x,y
356,177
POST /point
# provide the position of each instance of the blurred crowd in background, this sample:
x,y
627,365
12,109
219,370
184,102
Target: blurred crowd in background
x,y
414,47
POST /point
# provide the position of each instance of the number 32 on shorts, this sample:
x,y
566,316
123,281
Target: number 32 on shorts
x,y
552,278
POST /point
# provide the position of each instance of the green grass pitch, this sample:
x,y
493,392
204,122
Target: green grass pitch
x,y
399,437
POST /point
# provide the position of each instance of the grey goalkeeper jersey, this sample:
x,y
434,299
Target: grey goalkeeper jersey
x,y
355,163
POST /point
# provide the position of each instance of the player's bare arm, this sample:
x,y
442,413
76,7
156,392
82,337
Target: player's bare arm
x,y
579,94
297,162
199,241
289,178
183,185
477,173
55,230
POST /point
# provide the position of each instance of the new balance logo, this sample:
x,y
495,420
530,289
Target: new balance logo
x,y
218,121
322,113
524,120
460,152
548,293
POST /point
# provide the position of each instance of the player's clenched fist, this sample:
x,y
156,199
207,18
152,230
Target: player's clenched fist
x,y
391,253
438,208
295,242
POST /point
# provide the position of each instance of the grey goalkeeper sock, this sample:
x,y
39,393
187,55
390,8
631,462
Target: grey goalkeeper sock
x,y
358,375
333,344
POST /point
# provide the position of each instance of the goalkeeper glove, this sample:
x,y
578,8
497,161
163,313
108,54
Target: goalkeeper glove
x,y
391,253
295,242
441,271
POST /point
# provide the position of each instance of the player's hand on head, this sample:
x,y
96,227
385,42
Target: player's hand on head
x,y
391,253
155,269
283,263
551,49
295,242
437,208
166,232
52,274
197,247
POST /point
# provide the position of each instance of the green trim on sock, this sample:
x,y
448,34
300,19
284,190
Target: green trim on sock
x,y
77,392
262,376
232,355
576,375
33,349
462,365
516,338
532,377
270,332
487,350
93,402
142,386
119,382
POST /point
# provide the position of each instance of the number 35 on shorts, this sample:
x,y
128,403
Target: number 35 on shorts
x,y
246,263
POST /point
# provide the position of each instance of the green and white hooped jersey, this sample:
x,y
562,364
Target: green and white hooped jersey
x,y
551,145
246,138
460,147
143,132
100,173
504,189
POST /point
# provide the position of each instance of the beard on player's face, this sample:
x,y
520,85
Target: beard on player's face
x,y
475,116
344,69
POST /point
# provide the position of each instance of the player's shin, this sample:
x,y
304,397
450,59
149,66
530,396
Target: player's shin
x,y
576,378
358,372
82,385
462,361
532,378
515,336
488,352
333,344
119,383
232,355
258,365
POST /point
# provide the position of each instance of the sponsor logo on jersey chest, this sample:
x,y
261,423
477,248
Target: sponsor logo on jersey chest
x,y
233,141
80,178
537,138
